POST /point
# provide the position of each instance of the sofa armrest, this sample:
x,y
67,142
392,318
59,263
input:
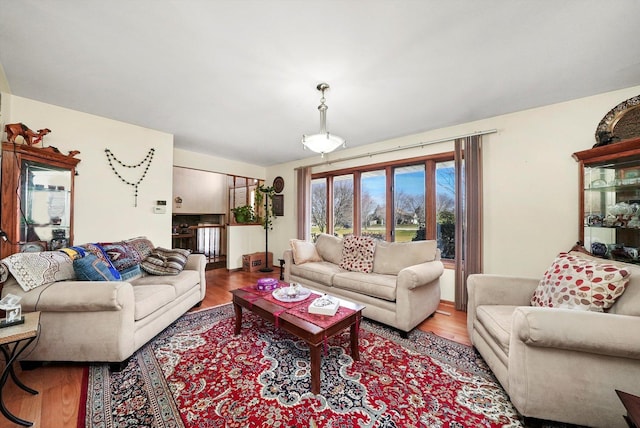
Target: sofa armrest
x,y
490,289
419,275
575,330
196,262
80,296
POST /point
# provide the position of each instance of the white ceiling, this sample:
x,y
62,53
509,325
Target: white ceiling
x,y
237,79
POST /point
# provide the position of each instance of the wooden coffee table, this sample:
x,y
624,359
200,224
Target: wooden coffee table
x,y
283,316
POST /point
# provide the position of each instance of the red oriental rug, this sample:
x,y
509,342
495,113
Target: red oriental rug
x,y
197,373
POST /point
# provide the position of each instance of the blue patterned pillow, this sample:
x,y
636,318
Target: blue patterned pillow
x,y
91,268
97,251
129,274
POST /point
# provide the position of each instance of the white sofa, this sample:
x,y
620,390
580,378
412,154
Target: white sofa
x,y
107,321
558,364
402,290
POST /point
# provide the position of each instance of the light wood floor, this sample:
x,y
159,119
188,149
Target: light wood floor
x,y
60,384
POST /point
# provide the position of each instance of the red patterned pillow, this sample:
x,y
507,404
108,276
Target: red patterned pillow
x,y
357,253
577,283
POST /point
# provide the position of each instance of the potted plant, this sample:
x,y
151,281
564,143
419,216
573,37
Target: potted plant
x,y
244,214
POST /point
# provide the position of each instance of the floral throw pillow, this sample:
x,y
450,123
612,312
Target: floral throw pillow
x,y
357,253
577,283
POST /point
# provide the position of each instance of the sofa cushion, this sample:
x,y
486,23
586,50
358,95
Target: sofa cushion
x,y
183,282
162,261
320,272
151,298
578,283
496,320
304,251
33,270
357,253
91,268
371,284
329,247
391,257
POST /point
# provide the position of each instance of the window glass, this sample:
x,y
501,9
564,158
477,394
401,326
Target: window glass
x,y
343,205
409,202
373,204
318,207
445,208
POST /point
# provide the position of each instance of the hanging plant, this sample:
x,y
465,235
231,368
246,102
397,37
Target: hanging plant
x,y
268,192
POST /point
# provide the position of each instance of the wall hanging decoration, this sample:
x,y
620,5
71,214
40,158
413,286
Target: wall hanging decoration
x,y
621,123
146,162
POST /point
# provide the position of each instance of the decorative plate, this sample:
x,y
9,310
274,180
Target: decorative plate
x,y
281,294
278,184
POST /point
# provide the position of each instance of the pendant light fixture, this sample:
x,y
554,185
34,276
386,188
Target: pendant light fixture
x,y
322,142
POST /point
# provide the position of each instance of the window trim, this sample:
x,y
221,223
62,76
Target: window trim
x,y
430,162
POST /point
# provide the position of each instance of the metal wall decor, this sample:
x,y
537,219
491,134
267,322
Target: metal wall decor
x,y
146,161
621,123
278,184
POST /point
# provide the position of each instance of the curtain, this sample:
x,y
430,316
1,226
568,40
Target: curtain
x,y
468,235
303,202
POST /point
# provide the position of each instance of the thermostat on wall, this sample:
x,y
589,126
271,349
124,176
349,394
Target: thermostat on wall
x,y
159,210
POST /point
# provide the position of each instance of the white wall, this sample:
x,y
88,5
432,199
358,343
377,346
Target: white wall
x,y
530,180
201,192
212,163
104,205
245,240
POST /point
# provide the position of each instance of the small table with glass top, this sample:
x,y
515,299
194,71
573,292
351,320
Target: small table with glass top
x,y
13,341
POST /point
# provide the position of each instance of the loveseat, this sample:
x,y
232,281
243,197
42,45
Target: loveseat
x,y
399,283
105,319
563,361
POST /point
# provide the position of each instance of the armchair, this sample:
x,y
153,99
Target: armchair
x,y
556,363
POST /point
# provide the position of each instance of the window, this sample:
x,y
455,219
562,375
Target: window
x,y
409,202
445,208
318,207
397,201
373,203
343,205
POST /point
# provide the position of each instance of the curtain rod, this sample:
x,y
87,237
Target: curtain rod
x,y
398,148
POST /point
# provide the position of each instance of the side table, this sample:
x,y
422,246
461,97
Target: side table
x,y
632,404
13,341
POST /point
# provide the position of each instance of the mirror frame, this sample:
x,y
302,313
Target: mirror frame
x,y
608,124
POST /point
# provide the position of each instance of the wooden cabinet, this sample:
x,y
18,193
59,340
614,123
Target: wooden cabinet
x,y
37,198
610,200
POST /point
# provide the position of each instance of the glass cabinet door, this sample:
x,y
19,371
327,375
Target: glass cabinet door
x,y
611,208
45,200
